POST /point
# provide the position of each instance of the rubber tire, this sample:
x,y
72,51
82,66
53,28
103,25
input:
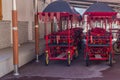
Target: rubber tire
x,y
76,54
87,60
110,59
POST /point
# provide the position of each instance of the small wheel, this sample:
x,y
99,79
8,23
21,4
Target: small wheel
x,y
46,59
116,47
69,60
76,54
87,60
110,59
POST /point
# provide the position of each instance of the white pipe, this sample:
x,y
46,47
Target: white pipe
x,y
16,73
14,4
85,18
35,6
37,58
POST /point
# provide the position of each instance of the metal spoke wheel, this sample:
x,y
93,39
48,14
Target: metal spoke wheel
x,y
116,47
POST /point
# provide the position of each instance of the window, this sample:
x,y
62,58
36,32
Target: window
x,y
0,9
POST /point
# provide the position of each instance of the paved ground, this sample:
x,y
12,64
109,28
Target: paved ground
x,y
57,70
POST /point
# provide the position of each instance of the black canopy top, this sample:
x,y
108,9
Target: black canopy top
x,y
59,6
99,7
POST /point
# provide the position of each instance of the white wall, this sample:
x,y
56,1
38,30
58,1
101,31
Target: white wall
x,y
5,37
25,12
24,8
7,7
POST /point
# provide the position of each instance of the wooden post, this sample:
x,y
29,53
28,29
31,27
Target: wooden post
x,y
15,37
36,30
1,10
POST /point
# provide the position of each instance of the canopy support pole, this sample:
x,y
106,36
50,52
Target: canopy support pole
x,y
36,30
15,37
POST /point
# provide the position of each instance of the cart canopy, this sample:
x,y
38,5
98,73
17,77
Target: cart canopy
x,y
62,7
100,9
59,6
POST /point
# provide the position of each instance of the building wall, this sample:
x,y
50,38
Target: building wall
x,y
41,30
25,21
5,34
23,32
24,8
6,9
25,13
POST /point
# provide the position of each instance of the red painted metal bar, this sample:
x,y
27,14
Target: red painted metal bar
x,y
71,23
58,19
68,33
45,25
102,59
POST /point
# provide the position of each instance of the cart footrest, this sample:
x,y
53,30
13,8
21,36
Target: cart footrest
x,y
98,45
98,56
61,55
54,44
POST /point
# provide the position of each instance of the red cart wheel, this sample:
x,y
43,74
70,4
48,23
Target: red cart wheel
x,y
68,60
46,59
110,59
116,47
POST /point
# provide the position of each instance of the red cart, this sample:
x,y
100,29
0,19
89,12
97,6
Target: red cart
x,y
61,43
98,19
